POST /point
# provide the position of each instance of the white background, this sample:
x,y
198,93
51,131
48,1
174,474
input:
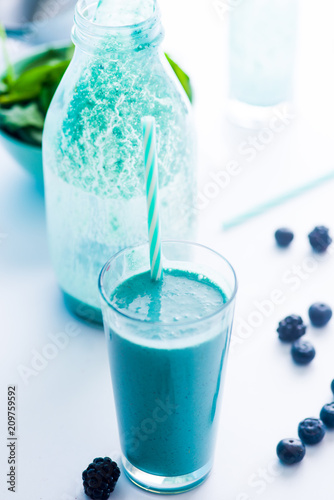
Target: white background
x,y
65,413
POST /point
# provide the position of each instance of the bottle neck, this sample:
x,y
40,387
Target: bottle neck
x,y
90,36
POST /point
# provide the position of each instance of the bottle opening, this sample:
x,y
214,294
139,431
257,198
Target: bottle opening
x,y
122,13
117,24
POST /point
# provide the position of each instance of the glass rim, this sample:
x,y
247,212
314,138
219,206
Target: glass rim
x,y
84,22
170,323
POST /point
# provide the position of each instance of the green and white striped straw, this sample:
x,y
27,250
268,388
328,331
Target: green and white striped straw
x,y
152,196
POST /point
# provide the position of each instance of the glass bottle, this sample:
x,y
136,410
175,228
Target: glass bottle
x,y
92,148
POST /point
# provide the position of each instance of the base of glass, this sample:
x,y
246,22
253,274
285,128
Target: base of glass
x,y
254,117
88,313
165,485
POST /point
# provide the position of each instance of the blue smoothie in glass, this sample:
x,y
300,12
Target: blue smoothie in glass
x,y
167,372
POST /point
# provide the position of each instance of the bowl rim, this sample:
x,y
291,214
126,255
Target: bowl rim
x,y
18,142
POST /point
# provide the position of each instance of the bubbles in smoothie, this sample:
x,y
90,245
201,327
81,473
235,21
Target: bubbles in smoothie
x,y
179,296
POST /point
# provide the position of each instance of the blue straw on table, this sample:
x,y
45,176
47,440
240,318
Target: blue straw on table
x,y
264,207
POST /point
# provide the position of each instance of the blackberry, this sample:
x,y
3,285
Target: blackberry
x,y
311,431
290,451
291,328
302,352
319,239
319,314
283,237
100,478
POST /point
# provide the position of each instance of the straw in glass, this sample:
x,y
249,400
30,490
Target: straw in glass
x,y
152,196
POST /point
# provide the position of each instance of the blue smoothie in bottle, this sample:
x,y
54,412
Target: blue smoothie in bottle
x,y
93,161
167,374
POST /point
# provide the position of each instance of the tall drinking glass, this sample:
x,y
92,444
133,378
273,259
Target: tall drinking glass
x,y
262,46
168,343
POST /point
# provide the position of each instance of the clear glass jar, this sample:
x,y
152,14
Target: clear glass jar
x,y
262,50
93,157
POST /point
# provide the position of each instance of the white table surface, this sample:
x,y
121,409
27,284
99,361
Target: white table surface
x,y
66,415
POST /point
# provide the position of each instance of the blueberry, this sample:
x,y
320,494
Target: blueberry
x,y
319,314
291,328
319,239
332,386
311,430
290,451
302,352
327,415
283,237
